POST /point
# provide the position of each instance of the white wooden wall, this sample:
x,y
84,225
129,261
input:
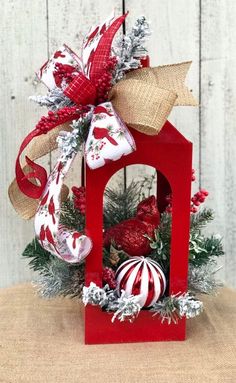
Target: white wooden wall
x,y
199,30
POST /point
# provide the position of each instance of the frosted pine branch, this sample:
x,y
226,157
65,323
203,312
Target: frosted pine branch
x,y
95,295
125,307
130,48
71,142
174,307
202,279
54,100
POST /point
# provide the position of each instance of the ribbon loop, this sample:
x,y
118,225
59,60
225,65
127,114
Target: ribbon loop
x,y
60,68
108,138
142,106
146,97
81,90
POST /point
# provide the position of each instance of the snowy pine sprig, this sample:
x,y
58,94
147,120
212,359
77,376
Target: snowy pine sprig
x,y
95,295
130,48
58,278
202,279
124,307
54,100
174,307
127,307
71,142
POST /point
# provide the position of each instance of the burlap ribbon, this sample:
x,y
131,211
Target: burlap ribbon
x,y
144,100
146,97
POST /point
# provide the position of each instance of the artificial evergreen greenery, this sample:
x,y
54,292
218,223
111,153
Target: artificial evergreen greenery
x,y
201,249
71,217
120,204
38,257
204,248
200,220
57,277
54,276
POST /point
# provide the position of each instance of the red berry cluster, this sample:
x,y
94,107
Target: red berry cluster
x,y
59,117
198,199
108,277
63,72
79,198
193,175
103,85
169,202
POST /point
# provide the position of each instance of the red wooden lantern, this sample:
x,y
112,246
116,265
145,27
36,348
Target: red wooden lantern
x,y
168,152
171,155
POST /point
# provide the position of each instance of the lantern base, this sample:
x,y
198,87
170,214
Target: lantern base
x,y
146,328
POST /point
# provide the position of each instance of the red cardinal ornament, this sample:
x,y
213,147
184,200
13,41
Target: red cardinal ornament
x,y
129,234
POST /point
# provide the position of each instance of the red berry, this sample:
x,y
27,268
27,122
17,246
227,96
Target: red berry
x,y
108,277
201,199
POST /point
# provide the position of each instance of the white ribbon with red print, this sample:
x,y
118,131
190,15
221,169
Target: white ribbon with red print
x,y
108,138
66,244
51,73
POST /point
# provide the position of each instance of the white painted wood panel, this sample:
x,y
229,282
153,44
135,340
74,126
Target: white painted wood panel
x,y
218,122
21,30
175,38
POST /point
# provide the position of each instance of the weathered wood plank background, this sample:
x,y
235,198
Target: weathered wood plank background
x,y
199,30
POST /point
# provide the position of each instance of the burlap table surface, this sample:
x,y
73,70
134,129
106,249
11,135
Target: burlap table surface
x,y
42,341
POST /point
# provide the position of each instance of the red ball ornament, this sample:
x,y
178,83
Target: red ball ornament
x,y
141,276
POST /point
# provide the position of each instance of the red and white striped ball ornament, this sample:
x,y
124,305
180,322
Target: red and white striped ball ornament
x,y
141,276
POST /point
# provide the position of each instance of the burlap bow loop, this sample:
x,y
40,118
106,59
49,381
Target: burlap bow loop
x,y
146,97
142,106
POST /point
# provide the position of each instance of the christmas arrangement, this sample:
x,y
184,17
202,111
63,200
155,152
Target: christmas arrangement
x,y
94,104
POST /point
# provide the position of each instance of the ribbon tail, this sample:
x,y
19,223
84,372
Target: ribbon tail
x,y
66,244
172,77
108,139
103,50
46,124
25,206
31,190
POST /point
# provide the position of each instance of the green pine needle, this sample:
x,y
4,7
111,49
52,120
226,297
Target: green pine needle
x,y
39,258
201,219
71,217
120,204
